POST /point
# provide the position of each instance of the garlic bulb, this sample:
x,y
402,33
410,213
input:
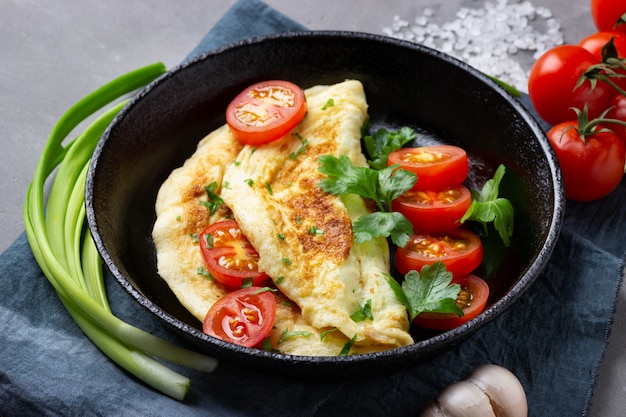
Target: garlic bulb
x,y
503,388
489,391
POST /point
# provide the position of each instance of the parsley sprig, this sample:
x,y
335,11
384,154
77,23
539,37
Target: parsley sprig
x,y
383,142
430,290
488,207
381,186
363,312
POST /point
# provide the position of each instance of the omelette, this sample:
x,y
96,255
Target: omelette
x,y
302,234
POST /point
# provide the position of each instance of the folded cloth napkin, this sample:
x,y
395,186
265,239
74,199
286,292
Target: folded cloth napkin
x,y
553,338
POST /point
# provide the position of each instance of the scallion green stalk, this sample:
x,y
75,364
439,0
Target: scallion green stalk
x,y
66,253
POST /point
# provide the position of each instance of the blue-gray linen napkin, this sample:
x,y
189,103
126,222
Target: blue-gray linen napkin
x,y
553,338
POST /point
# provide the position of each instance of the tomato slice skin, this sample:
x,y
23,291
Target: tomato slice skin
x,y
434,211
244,317
460,250
229,256
437,167
472,300
266,111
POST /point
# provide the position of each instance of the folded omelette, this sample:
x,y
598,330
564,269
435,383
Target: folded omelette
x,y
302,234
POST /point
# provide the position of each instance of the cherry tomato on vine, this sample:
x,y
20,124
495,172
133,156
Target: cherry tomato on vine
x,y
592,167
552,85
437,167
434,211
460,250
607,14
229,256
471,299
266,111
618,111
244,317
595,42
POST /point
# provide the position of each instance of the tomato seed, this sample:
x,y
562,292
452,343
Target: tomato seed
x,y
251,315
237,329
464,299
449,196
436,248
419,197
424,157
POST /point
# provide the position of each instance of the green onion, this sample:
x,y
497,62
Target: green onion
x,y
66,253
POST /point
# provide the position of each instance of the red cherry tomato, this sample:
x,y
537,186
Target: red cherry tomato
x,y
471,299
618,112
244,317
591,168
437,167
434,211
608,14
460,250
596,41
229,256
266,111
552,85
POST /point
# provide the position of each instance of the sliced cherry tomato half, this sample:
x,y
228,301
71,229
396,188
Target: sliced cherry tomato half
x,y
437,167
434,211
266,111
460,250
229,256
244,317
471,299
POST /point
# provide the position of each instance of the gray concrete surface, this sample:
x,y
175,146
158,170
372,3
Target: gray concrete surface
x,y
52,53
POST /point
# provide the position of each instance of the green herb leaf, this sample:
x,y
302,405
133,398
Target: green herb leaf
x,y
393,182
265,289
208,240
383,142
204,272
508,87
380,186
325,333
487,207
267,345
288,334
364,312
345,178
383,224
214,201
345,351
313,230
301,149
429,291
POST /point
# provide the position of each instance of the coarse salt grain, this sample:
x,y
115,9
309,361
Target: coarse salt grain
x,y
501,39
